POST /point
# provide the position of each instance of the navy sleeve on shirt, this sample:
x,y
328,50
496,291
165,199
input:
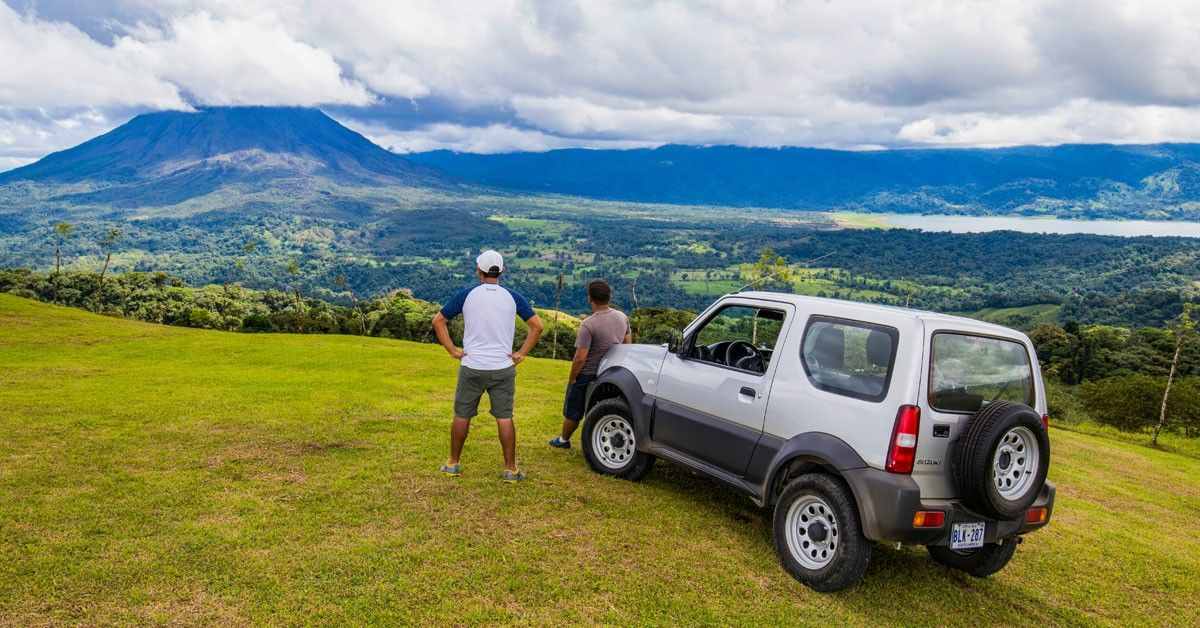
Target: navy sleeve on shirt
x,y
523,309
454,306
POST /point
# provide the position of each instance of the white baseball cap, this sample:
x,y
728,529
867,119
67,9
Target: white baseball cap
x,y
490,262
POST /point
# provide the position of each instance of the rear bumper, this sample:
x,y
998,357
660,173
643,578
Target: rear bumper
x,y
887,503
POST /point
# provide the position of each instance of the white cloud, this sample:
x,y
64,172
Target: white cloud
x,y
52,64
1075,122
234,61
568,72
26,136
492,138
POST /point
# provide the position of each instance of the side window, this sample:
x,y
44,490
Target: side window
x,y
849,357
738,336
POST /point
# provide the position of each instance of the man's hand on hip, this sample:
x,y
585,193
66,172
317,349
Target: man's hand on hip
x,y
517,357
456,353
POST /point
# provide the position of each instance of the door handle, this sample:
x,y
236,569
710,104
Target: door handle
x,y
748,391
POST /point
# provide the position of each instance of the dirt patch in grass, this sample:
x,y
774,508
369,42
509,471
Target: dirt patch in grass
x,y
189,608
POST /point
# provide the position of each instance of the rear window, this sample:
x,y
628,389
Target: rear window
x,y
849,357
968,372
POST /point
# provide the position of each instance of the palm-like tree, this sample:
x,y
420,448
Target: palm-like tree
x,y
107,243
62,231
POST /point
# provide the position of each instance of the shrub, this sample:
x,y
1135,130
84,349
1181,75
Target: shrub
x,y
1132,403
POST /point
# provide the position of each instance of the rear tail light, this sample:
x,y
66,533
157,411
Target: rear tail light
x,y
902,451
1036,515
1046,421
929,519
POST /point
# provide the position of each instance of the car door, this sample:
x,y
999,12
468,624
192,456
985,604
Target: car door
x,y
708,408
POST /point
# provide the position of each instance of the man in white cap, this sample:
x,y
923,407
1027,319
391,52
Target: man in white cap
x,y
488,361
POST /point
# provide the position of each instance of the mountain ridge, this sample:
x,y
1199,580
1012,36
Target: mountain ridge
x,y
1151,180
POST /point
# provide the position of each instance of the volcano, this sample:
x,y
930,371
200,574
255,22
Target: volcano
x,y
172,157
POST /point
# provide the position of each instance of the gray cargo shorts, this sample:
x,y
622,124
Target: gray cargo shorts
x,y
500,386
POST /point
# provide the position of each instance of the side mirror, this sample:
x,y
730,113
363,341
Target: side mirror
x,y
675,343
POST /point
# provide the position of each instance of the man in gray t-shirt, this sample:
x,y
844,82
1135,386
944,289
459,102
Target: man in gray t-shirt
x,y
599,332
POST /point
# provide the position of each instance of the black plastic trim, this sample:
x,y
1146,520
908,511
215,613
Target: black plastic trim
x,y
640,404
888,501
709,438
774,454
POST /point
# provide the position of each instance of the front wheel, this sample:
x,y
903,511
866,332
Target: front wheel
x,y
981,562
610,442
818,536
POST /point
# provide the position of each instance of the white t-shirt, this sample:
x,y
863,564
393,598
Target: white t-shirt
x,y
489,323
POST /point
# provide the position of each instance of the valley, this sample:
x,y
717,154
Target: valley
x,y
285,197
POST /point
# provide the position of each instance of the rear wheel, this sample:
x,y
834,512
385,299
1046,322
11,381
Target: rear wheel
x,y
818,537
981,562
610,442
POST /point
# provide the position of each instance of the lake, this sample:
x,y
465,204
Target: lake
x,y
979,224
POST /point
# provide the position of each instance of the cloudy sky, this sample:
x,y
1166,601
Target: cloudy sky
x,y
501,75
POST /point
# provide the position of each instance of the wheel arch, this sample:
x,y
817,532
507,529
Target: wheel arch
x,y
809,453
618,382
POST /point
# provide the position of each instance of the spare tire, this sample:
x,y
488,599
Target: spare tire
x,y
1001,460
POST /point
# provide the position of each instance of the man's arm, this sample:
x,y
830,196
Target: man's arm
x,y
577,364
628,339
535,332
443,336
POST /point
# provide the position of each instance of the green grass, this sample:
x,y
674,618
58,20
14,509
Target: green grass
x,y
151,474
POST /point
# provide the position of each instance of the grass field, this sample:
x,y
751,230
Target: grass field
x,y
152,474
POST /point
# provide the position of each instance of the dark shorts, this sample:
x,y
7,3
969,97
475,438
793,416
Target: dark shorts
x,y
576,396
500,386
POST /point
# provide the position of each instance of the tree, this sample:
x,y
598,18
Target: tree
x,y
341,282
293,270
110,239
1184,329
62,231
770,267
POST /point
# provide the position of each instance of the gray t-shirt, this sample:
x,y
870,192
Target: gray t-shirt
x,y
598,333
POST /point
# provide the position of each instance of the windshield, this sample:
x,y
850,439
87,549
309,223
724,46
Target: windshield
x,y
968,372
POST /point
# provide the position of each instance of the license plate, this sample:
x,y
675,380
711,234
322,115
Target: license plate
x,y
967,535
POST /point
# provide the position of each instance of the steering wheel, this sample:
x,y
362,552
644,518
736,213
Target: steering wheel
x,y
714,352
737,353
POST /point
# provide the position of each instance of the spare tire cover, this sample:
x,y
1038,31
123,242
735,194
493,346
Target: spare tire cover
x,y
1001,460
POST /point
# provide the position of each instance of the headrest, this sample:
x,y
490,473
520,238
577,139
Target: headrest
x,y
829,348
879,349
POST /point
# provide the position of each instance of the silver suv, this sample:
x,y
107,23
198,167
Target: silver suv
x,y
855,422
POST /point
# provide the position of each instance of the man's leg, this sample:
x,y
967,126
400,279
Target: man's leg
x,y
573,406
568,428
458,436
501,394
466,405
508,442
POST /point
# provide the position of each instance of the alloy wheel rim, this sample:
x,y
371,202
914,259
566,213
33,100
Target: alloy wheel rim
x,y
613,441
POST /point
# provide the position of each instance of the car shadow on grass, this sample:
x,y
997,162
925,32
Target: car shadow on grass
x,y
918,589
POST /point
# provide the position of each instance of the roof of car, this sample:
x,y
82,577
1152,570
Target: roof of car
x,y
924,315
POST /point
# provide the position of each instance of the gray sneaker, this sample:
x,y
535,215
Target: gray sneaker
x,y
453,470
512,476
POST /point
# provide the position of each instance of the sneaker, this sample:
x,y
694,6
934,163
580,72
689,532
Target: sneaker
x,y
558,443
453,470
512,476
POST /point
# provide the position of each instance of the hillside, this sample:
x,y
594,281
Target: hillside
x,y
285,155
152,474
1159,181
